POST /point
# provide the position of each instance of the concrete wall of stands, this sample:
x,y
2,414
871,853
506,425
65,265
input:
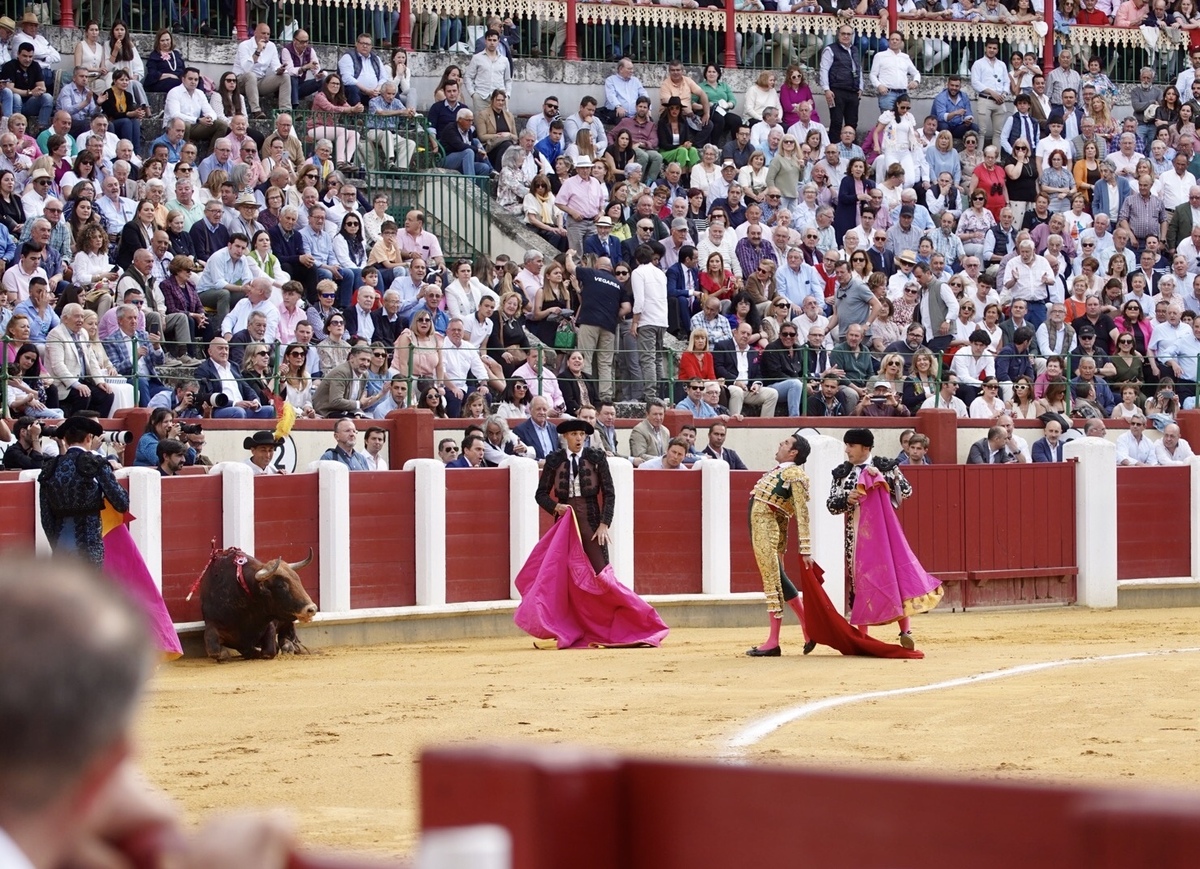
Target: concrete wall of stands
x,y
426,536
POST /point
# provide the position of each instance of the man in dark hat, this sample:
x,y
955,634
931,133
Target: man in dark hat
x,y
780,494
854,481
578,477
262,446
74,487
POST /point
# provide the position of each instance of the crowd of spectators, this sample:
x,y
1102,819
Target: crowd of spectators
x,y
1022,251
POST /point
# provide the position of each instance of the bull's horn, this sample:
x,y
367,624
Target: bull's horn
x,y
267,570
305,563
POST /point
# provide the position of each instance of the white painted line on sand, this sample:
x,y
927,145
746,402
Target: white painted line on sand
x,y
758,730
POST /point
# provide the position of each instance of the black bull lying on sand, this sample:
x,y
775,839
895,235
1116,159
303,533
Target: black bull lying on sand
x,y
251,606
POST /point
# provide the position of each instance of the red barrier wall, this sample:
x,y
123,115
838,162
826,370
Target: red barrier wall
x,y
1154,509
191,518
287,523
962,523
743,569
17,515
595,811
382,545
666,532
477,535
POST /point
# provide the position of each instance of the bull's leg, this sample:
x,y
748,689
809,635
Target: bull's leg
x,y
288,641
269,644
213,646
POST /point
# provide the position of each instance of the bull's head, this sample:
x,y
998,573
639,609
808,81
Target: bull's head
x,y
278,580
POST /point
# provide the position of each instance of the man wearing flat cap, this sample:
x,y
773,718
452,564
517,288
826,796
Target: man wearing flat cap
x,y
578,477
886,582
74,487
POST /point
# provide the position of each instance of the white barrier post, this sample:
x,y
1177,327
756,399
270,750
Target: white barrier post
x,y
145,503
524,515
1095,520
41,543
430,530
333,488
620,550
714,526
237,505
827,532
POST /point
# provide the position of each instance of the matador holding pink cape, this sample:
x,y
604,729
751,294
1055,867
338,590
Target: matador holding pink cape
x,y
886,581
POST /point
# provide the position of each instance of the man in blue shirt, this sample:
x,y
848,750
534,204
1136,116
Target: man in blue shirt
x,y
318,244
172,137
346,435
621,92
953,110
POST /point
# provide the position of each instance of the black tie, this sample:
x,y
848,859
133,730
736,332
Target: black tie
x,y
574,467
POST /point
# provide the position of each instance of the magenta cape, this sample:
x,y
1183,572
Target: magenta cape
x,y
889,582
825,624
564,599
123,562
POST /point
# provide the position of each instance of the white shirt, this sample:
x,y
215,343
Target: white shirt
x,y
458,361
265,65
1183,452
1173,189
972,371
1135,451
650,295
478,333
1126,166
990,75
12,857
376,463
229,384
1043,340
894,70
1031,284
110,143
188,107
656,464
1047,145
955,404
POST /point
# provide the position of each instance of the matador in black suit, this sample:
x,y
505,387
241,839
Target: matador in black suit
x,y
578,477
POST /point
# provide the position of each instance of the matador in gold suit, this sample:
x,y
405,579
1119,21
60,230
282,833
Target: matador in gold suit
x,y
780,494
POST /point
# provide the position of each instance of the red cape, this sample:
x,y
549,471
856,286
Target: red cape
x,y
826,625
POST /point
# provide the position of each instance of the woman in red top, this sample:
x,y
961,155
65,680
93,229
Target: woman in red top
x,y
716,280
991,179
697,361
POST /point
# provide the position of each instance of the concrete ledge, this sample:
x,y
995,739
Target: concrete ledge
x,y
1158,595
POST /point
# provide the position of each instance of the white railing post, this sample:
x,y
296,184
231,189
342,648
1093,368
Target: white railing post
x,y
827,532
333,488
714,526
620,549
524,515
237,505
1095,520
145,503
41,543
429,528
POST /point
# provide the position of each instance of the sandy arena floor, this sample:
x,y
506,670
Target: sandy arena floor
x,y
336,737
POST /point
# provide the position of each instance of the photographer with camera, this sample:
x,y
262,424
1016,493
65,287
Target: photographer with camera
x,y
183,399
162,426
26,452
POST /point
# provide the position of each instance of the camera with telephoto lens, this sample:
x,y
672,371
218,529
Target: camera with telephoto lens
x,y
219,400
117,438
193,429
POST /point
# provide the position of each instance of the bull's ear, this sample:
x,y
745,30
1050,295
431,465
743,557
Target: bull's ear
x,y
267,571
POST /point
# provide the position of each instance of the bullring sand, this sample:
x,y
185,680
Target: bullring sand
x,y
336,737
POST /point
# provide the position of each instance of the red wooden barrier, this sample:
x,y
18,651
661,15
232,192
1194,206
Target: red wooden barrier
x,y
383,556
287,523
477,535
1019,531
1154,511
191,518
743,569
566,807
18,513
666,532
933,523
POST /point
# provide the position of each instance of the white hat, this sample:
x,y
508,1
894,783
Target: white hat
x,y
583,162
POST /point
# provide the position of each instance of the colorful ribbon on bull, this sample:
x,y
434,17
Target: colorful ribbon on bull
x,y
239,558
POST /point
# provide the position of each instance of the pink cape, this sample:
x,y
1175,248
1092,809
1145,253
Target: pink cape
x,y
564,599
123,562
889,582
